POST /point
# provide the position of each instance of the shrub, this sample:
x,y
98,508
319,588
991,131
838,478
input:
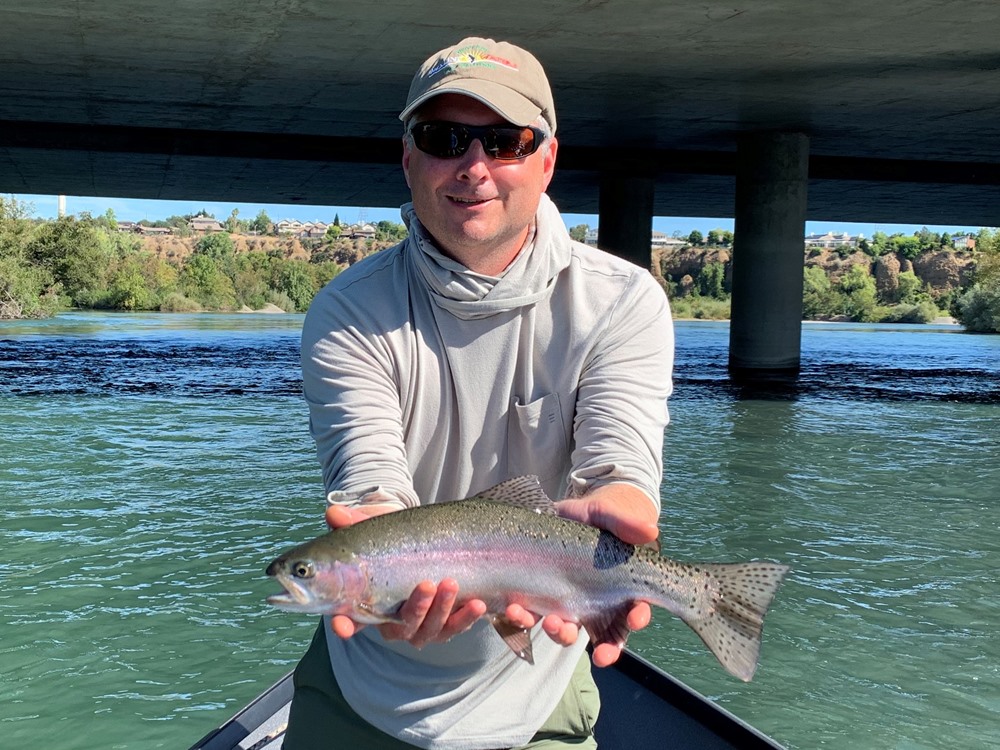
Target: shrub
x,y
177,302
979,309
921,312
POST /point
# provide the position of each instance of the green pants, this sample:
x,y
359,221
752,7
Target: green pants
x,y
321,719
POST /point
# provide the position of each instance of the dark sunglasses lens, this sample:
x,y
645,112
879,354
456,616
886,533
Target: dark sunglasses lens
x,y
511,143
446,140
441,139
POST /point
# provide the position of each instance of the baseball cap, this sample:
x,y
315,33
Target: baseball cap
x,y
507,79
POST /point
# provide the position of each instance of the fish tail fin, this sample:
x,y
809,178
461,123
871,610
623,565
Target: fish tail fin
x,y
731,620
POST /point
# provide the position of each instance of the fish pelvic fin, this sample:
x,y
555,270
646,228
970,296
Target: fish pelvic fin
x,y
609,626
731,619
525,492
364,613
518,638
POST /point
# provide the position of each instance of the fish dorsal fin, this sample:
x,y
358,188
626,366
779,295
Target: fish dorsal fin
x,y
519,639
524,492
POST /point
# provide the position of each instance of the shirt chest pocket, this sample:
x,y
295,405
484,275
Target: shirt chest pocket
x,y
537,442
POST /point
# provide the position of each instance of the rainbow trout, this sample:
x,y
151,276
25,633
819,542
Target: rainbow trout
x,y
506,545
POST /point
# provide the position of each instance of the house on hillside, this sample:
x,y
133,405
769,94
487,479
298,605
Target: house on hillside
x,y
288,226
153,230
832,240
963,241
661,239
361,232
204,224
312,229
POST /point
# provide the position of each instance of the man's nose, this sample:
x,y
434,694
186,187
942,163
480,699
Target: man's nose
x,y
475,162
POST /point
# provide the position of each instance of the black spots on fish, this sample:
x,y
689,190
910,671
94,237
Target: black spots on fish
x,y
728,609
610,551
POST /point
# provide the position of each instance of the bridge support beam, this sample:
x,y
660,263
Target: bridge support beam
x,y
626,217
765,334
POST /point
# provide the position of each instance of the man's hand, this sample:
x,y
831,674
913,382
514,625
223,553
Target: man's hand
x,y
626,512
429,615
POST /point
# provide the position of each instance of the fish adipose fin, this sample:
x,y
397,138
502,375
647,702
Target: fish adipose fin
x,y
518,638
524,492
730,621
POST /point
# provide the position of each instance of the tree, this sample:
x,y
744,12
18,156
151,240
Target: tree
x,y
696,237
296,281
233,224
860,295
905,246
911,289
204,280
879,244
390,231
579,232
261,224
711,281
24,288
217,245
712,239
108,220
77,254
129,289
818,297
978,309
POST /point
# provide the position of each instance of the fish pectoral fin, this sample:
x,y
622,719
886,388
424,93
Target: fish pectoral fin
x,y
518,638
364,613
610,626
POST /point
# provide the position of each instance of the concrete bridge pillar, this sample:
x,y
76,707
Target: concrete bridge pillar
x,y
771,194
626,217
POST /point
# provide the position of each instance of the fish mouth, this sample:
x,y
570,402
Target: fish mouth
x,y
294,596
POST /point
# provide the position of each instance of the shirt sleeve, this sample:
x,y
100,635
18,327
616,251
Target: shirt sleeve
x,y
621,409
350,387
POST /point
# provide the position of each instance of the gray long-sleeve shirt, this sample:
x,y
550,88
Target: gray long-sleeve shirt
x,y
427,382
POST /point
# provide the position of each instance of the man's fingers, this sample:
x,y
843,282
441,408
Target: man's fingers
x,y
639,616
520,617
437,613
606,654
339,516
413,612
463,618
562,632
343,626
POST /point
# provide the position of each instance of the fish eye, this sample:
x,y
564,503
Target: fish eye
x,y
303,569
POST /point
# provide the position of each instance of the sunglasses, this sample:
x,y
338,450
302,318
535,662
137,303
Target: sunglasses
x,y
447,140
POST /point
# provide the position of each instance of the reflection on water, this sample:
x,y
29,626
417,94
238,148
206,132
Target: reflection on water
x,y
150,467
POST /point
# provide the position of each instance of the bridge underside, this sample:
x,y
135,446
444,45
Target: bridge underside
x,y
894,106
182,164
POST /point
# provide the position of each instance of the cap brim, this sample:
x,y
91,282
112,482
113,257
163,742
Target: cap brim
x,y
509,104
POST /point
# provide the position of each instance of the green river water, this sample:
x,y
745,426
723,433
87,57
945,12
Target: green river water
x,y
152,465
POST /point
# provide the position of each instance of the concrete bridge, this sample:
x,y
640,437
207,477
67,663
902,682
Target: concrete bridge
x,y
774,113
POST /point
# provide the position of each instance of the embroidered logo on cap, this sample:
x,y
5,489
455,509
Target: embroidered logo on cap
x,y
468,57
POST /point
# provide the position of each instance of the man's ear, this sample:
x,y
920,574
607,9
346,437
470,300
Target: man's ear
x,y
406,160
549,163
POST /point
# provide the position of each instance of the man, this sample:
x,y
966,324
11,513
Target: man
x,y
486,345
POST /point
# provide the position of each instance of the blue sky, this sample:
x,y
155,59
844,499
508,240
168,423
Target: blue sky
x,y
127,209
